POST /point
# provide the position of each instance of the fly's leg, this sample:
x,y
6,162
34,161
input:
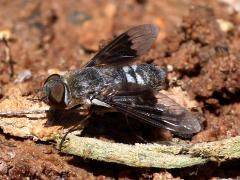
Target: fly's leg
x,y
53,116
58,114
84,122
134,132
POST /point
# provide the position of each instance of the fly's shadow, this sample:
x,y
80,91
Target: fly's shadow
x,y
63,118
71,120
113,126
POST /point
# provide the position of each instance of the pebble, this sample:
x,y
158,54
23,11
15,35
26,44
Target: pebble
x,y
169,68
23,76
5,34
225,26
77,17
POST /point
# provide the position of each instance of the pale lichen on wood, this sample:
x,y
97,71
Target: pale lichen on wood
x,y
178,155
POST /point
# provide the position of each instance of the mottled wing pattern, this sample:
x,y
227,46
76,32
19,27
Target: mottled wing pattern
x,y
159,111
126,47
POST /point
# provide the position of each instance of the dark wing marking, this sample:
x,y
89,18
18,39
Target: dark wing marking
x,y
126,47
159,111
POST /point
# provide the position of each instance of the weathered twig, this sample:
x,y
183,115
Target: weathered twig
x,y
177,155
23,113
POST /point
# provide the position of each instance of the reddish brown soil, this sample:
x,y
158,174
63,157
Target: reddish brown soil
x,y
63,35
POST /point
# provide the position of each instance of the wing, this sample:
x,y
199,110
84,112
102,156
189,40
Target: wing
x,y
126,47
159,111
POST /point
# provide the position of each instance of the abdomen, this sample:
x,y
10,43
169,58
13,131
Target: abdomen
x,y
144,74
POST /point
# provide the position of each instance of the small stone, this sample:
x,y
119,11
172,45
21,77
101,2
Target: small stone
x,y
5,34
11,154
77,17
23,76
169,68
225,26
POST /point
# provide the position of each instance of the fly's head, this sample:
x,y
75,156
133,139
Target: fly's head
x,y
56,92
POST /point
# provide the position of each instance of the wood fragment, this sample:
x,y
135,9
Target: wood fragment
x,y
176,155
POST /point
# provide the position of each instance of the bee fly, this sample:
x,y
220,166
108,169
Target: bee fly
x,y
108,80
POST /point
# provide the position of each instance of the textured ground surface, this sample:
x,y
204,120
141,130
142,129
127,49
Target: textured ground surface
x,y
199,42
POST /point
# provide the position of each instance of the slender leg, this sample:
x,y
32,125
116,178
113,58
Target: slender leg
x,y
81,125
134,132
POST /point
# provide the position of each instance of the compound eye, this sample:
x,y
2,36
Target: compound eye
x,y
55,91
53,77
